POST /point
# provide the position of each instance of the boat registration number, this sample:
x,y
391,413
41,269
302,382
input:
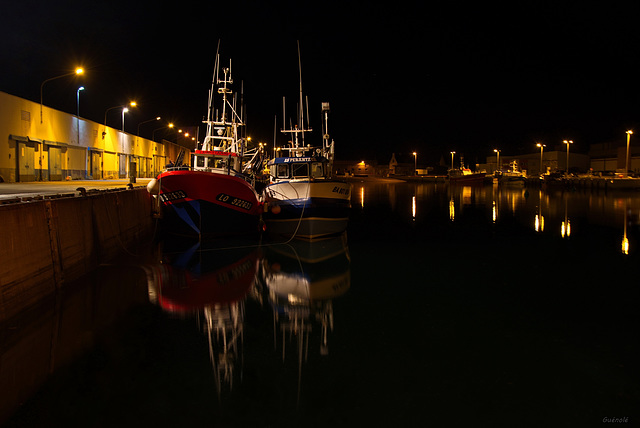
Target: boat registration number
x,y
236,202
172,196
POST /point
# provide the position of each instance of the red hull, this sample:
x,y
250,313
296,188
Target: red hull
x,y
206,203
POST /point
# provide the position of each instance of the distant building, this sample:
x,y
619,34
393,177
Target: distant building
x,y
553,160
612,156
363,168
393,164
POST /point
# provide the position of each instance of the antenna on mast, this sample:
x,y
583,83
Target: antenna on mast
x,y
284,119
300,80
241,101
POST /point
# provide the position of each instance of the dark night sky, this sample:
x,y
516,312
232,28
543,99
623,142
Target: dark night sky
x,y
399,77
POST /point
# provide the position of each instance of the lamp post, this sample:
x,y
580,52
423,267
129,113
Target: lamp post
x,y
497,159
147,121
542,146
131,104
153,134
415,163
567,142
626,169
124,110
81,88
452,153
77,71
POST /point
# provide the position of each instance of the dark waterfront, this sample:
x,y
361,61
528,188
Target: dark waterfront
x,y
440,307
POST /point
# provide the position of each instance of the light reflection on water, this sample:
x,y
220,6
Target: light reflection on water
x,y
438,298
554,212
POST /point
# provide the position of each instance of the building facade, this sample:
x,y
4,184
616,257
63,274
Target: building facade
x,y
534,163
38,143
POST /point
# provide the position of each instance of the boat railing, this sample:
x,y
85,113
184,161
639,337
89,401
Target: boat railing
x,y
249,178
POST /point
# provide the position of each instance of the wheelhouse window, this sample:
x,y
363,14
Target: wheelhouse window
x,y
316,169
282,171
300,170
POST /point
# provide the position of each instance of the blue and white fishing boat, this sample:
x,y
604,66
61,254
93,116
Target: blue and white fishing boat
x,y
302,197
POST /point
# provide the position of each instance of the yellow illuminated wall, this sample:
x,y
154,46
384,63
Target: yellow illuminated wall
x,y
74,139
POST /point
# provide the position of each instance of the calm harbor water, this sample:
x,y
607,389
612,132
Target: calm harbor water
x,y
441,306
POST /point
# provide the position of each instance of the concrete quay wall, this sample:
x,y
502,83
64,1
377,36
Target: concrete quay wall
x,y
47,242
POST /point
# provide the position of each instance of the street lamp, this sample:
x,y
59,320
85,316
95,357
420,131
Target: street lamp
x,y
131,104
626,170
147,121
567,142
452,153
542,146
124,110
497,159
77,71
415,163
81,88
153,134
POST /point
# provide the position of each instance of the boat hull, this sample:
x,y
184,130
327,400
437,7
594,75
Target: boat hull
x,y
469,179
205,204
307,209
512,181
624,183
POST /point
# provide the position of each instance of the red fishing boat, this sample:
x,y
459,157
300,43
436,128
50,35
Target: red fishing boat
x,y
215,195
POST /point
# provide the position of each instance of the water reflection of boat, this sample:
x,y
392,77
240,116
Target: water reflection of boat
x,y
302,279
188,289
209,283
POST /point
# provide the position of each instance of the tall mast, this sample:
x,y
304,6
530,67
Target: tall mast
x,y
301,105
299,128
211,109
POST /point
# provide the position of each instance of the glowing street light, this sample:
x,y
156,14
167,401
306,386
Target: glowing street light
x,y
77,71
81,88
415,163
124,110
542,146
147,121
131,104
626,169
567,142
153,134
452,153
497,159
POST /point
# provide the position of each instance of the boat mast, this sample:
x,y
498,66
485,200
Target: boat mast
x,y
222,125
301,121
211,110
299,128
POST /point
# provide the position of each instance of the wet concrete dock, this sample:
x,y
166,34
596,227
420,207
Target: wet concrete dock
x,y
14,191
55,232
